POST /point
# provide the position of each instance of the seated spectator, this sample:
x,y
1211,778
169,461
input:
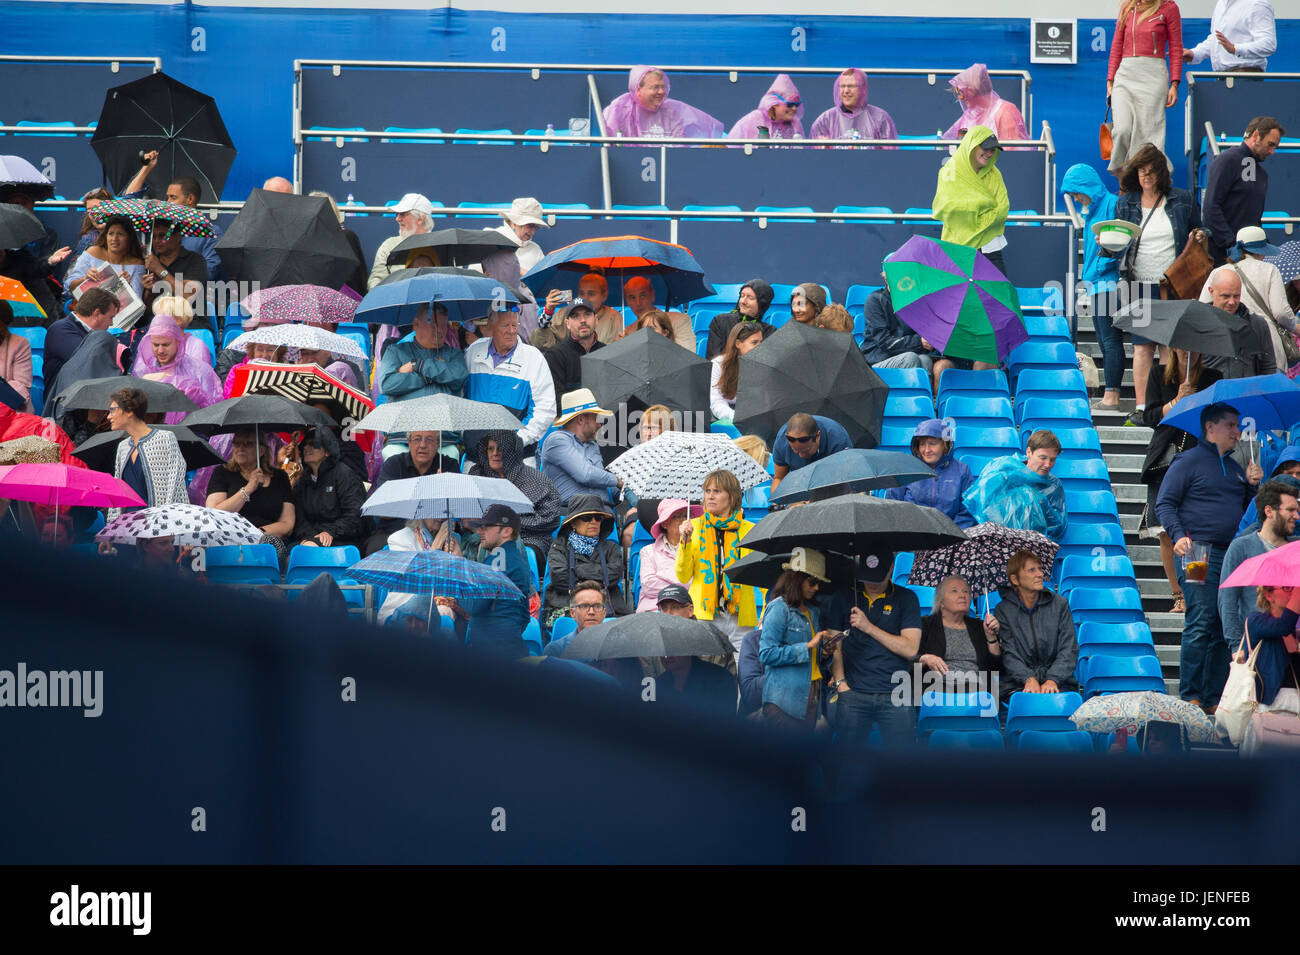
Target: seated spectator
x,y
804,439
1262,289
426,366
564,358
422,456
593,291
750,674
981,106
1023,496
414,609
1286,469
806,302
181,191
175,366
521,223
414,217
951,478
1280,506
696,681
181,310
503,265
34,274
582,550
653,319
1269,628
252,486
90,233
15,360
278,184
645,111
119,252
496,454
724,376
888,342
655,420
835,317
1224,286
148,460
172,269
253,352
659,557
499,546
788,645
755,297
964,650
505,371
851,116
970,197
571,456
328,497
639,296
345,371
1039,647
779,114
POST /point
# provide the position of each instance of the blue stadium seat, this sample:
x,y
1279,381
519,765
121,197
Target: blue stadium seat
x,y
232,332
1111,640
563,626
1092,507
557,134
1048,328
994,413
485,142
37,393
714,209
956,711
896,438
46,124
763,210
757,501
902,567
205,335
702,318
783,292
1076,741
1044,712
620,208
924,597
498,208
972,384
532,565
1043,383
702,344
246,564
1025,212
723,427
864,210
336,130
35,336
1044,355
918,212
906,382
724,295
1111,573
358,332
1091,540
777,315
308,563
533,637
976,447
566,207
1071,412
857,295
1121,606
989,739
908,409
1082,474
413,129
1111,674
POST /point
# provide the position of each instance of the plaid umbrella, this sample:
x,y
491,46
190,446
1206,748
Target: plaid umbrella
x,y
306,384
675,463
189,524
300,336
144,212
448,496
434,572
309,304
1287,260
30,450
1132,711
20,300
982,558
648,635
17,171
438,413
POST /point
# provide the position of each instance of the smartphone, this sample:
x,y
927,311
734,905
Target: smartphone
x,y
566,296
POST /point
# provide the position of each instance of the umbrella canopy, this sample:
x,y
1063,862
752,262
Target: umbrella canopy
x,y
982,557
189,524
1274,568
438,413
143,213
18,227
955,298
675,463
671,269
762,570
308,384
446,496
458,247
100,451
850,470
17,171
854,524
813,370
300,336
647,635
1270,402
93,394
1189,324
60,485
465,294
1133,711
268,412
645,369
309,304
1287,260
30,449
22,302
434,572
281,239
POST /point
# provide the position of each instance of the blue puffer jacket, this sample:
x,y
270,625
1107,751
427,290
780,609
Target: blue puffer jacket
x,y
942,492
1102,271
783,651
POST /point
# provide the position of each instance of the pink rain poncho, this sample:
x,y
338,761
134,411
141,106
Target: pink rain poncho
x,y
781,91
193,376
862,122
984,107
146,364
627,117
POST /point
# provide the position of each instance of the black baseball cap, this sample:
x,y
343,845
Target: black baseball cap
x,y
498,515
874,566
674,593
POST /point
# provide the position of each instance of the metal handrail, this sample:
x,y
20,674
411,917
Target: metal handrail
x,y
38,130
19,58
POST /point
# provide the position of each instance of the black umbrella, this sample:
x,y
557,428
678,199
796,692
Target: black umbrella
x,y
267,412
854,524
452,246
184,125
648,635
645,369
853,469
813,370
762,570
100,451
281,239
18,227
93,394
1191,325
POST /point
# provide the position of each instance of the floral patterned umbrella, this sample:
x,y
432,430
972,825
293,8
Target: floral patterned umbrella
x,y
1132,711
674,464
982,557
309,304
189,524
143,213
300,336
20,300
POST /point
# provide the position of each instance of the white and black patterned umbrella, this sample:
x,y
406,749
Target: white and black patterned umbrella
x,y
447,496
675,463
189,524
300,336
438,413
306,384
982,557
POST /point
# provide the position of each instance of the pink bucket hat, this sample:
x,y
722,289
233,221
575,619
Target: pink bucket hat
x,y
667,508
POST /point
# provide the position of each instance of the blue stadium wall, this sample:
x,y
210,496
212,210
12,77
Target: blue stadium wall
x,y
243,55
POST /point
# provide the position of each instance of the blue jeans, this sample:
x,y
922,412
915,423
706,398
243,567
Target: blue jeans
x,y
1203,666
856,712
1111,340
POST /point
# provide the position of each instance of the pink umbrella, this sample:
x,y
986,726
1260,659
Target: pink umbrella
x,y
59,485
1276,568
309,304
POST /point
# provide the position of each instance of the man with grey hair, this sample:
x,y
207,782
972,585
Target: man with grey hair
x,y
1225,294
520,223
414,217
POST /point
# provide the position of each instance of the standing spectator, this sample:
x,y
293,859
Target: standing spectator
x,y
1146,66
15,359
414,217
852,117
421,457
149,459
971,198
1167,218
426,366
788,646
1262,289
1236,187
1099,276
724,375
1279,506
505,371
951,478
645,111
252,486
981,106
520,223
779,114
1202,499
94,311
328,496
1242,37
804,439
753,302
659,557
1039,646
964,650
639,296
583,550
564,358
496,454
887,342
593,291
806,302
571,456
1224,286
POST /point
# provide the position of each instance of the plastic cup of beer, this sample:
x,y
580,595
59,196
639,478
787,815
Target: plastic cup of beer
x,y
1196,563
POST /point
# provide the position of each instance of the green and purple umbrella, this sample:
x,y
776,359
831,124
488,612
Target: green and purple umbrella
x,y
144,212
956,299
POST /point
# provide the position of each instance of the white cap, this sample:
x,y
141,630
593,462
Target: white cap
x,y
414,202
525,212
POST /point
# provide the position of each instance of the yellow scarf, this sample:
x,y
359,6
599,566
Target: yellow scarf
x,y
713,553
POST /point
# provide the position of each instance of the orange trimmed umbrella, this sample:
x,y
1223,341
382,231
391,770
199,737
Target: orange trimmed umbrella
x,y
671,269
20,300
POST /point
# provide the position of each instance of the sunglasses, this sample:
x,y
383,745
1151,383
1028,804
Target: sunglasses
x,y
797,439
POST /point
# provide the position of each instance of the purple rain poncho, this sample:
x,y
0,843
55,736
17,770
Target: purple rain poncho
x,y
193,376
626,116
781,91
984,107
862,122
146,364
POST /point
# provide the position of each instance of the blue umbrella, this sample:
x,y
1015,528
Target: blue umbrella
x,y
1270,402
854,469
671,269
466,295
434,572
1287,260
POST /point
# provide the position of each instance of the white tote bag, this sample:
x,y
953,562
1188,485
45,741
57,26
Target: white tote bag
x,y
1238,702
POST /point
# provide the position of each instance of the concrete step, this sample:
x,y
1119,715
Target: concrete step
x,y
1170,625
1119,463
1130,492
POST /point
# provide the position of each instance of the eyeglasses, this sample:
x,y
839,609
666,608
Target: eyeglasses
x,y
800,439
656,89
112,408
588,607
422,439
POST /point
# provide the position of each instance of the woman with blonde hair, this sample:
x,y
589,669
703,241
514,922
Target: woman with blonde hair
x,y
656,319
835,317
1140,84
655,420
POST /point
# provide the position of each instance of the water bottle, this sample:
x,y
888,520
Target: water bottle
x,y
348,203
550,129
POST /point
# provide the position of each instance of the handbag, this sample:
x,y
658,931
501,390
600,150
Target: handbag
x,y
1106,134
1186,276
1238,702
1289,348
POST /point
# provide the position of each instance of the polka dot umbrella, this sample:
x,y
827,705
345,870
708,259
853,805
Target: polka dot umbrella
x,y
144,212
307,304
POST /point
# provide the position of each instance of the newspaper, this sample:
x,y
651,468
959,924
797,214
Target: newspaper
x,y
130,308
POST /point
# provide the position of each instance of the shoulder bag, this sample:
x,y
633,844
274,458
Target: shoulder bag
x,y
1289,347
1105,134
1238,702
1186,277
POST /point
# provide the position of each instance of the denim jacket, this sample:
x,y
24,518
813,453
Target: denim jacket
x,y
1183,217
783,651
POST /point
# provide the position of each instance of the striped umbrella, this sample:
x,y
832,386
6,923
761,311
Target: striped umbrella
x,y
304,383
300,336
309,304
20,300
144,212
1287,260
434,572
